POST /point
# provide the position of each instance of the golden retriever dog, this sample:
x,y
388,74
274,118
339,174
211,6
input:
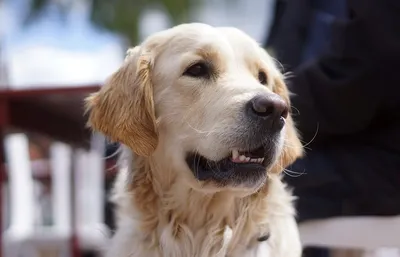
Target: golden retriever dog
x,y
203,114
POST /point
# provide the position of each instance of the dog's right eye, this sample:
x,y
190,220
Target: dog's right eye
x,y
197,70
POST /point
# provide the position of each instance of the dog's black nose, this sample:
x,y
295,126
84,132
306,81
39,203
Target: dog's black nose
x,y
271,108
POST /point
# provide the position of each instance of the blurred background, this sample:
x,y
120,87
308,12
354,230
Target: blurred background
x,y
76,41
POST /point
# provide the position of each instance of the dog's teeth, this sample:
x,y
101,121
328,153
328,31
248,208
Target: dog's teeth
x,y
242,158
235,154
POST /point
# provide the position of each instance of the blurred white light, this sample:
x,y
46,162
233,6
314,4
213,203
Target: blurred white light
x,y
50,66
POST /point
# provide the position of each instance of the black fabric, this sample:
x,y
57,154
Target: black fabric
x,y
284,34
348,105
315,252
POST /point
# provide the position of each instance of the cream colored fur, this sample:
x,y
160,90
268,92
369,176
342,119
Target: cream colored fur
x,y
159,115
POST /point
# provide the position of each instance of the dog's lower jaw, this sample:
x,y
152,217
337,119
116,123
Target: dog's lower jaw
x,y
177,221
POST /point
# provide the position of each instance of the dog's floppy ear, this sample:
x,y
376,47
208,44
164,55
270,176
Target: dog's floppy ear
x,y
123,109
292,148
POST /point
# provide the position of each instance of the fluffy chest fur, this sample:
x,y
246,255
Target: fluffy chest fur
x,y
178,221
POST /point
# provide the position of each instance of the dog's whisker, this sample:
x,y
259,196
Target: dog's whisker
x,y
287,144
294,174
314,136
197,165
114,154
208,132
297,110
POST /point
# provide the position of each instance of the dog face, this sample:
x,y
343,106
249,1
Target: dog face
x,y
207,102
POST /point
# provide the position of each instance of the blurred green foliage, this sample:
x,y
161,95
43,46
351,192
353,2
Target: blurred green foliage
x,y
121,16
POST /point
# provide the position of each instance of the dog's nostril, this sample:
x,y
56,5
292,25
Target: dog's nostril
x,y
269,105
262,107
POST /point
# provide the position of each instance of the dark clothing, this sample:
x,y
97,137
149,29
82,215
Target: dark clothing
x,y
347,91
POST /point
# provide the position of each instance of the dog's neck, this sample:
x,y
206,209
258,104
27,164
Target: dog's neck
x,y
166,202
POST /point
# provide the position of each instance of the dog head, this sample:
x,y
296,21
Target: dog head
x,y
208,102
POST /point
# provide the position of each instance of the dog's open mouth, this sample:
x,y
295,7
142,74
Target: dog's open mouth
x,y
239,167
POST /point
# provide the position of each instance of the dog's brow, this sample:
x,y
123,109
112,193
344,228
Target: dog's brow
x,y
255,64
208,52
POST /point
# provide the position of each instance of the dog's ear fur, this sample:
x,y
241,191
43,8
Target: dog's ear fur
x,y
123,109
292,148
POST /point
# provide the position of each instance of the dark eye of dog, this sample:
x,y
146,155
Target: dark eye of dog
x,y
262,77
197,70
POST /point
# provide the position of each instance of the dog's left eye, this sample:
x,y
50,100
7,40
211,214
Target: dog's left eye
x,y
197,70
262,77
